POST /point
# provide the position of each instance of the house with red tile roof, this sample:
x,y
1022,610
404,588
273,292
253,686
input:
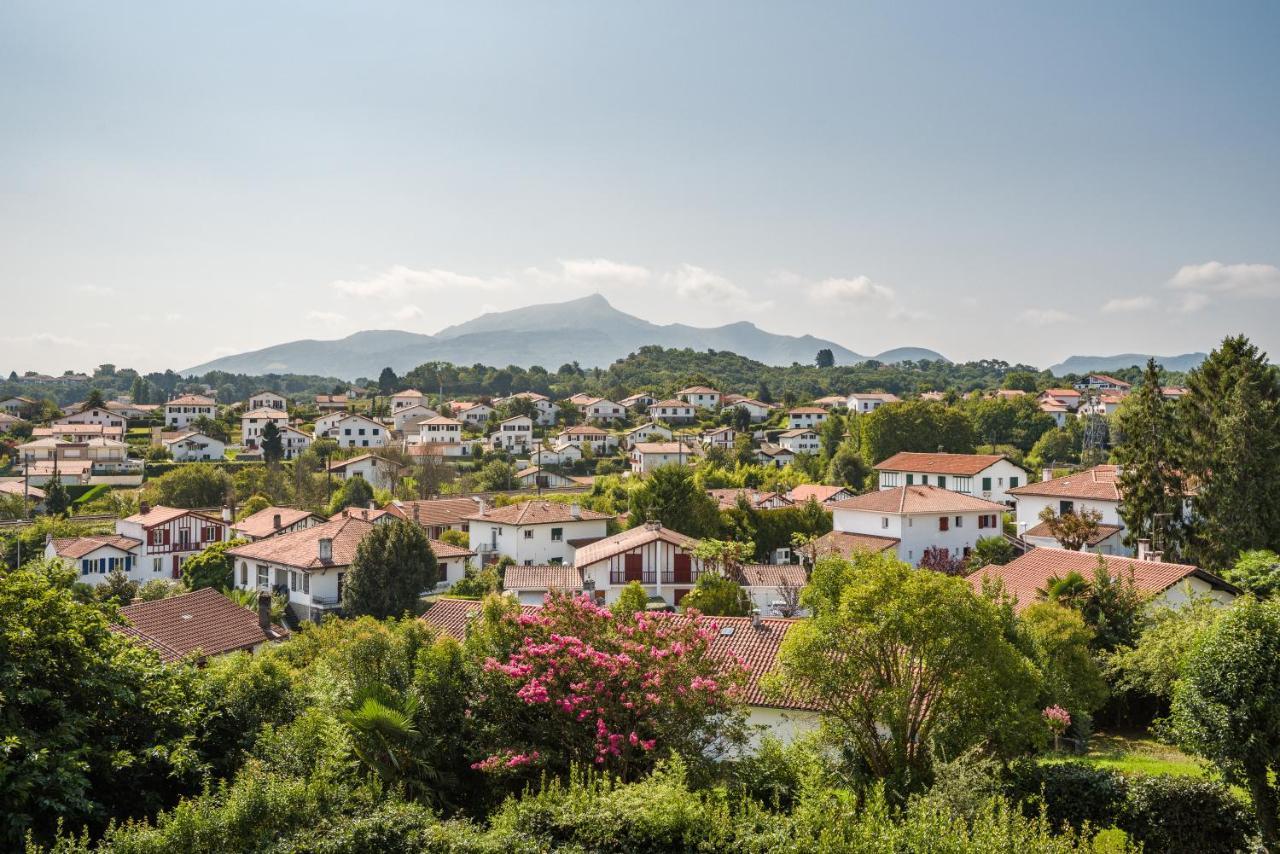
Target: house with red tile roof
x,y
821,493
701,396
920,518
270,521
673,411
535,532
199,625
988,476
1167,584
863,402
1096,489
152,543
806,417
182,411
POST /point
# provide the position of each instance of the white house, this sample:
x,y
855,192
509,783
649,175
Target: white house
x,y
529,585
407,399
252,424
18,406
649,432
514,434
308,566
1162,584
1103,382
380,473
920,518
825,495
769,454
869,401
673,411
180,412
660,559
331,402
602,442
440,429
701,396
541,478
802,440
774,588
273,521
756,410
266,400
1097,489
359,431
806,417
195,446
1055,409
720,437
294,441
544,456
647,456
988,476
640,401
603,410
406,419
832,401
437,515
1104,404
545,409
112,423
535,532
326,425
152,543
1069,397
475,414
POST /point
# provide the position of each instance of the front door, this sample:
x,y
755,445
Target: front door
x,y
177,566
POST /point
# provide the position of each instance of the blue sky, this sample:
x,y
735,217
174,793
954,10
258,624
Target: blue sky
x,y
1013,180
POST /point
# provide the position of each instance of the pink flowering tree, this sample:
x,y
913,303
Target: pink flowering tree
x,y
582,686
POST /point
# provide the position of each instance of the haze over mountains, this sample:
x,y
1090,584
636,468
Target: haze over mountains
x,y
588,331
1088,364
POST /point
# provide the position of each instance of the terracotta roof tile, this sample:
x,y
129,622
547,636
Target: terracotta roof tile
x,y
162,515
1104,531
918,499
436,512
203,623
956,464
844,544
628,540
262,524
78,547
301,549
537,513
546,577
772,575
817,491
1100,483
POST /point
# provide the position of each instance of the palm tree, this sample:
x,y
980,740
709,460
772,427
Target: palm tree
x,y
1072,590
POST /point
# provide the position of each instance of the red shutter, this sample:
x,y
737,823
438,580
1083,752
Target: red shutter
x,y
633,567
944,523
683,569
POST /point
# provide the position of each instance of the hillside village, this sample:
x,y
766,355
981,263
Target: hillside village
x,y
224,526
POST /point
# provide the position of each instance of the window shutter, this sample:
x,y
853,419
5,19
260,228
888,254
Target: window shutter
x,y
943,523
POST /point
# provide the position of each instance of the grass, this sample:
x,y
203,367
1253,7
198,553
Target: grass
x,y
1137,753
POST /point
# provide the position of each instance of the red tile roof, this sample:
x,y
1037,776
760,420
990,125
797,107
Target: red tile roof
x,y
77,547
301,549
698,389
844,544
202,623
955,464
628,540
817,491
1023,576
807,410
435,512
448,551
262,524
192,400
1100,483
772,575
918,499
546,577
537,513
1104,531
163,515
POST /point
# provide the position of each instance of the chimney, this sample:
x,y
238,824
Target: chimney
x,y
416,519
1046,474
143,508
373,505
755,618
575,510
653,525
325,548
264,610
136,600
1144,548
275,521
226,514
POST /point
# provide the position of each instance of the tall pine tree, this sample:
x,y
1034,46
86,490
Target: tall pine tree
x,y
1151,478
1232,421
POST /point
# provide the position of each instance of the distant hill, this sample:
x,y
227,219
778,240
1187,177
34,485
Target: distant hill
x,y
909,354
1089,364
588,331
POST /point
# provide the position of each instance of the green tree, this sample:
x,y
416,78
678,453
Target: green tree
x,y
272,443
212,427
138,392
117,589
1226,706
1231,419
718,596
914,425
95,400
670,495
907,665
496,475
831,435
1256,571
94,727
1020,381
988,551
355,492
1153,664
393,565
388,382
56,500
631,600
189,485
1060,445
1151,476
212,567
848,468
1111,605
1061,644
825,358
1073,531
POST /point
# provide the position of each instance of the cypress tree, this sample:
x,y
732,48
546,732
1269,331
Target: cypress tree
x,y
1151,479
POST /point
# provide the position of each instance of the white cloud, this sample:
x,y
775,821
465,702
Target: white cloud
x,y
860,290
702,285
409,312
1245,280
400,280
601,272
48,338
1193,302
1045,316
1125,304
96,290
327,317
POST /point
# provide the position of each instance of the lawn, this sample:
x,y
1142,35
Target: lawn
x,y
1137,753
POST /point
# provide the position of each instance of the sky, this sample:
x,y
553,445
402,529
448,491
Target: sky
x,y
1023,181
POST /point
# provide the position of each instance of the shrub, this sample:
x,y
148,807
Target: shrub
x,y
1071,792
1168,813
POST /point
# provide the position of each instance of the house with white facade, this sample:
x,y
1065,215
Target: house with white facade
x,y
560,455
769,454
18,406
535,477
182,411
379,472
863,402
988,476
112,424
406,419
407,399
673,411
832,401
326,425
309,566
75,460
757,411
1055,409
601,410
1096,489
253,422
647,456
266,400
920,518
720,437
437,515
440,430
1068,397
475,414
810,417
152,543
1105,403
272,521
640,402
194,446
359,431
823,494
331,402
514,435
728,498
602,442
649,432
1103,382
535,532
700,396
293,441
660,559
542,405
802,440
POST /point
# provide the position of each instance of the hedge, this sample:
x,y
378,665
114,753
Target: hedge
x,y
88,493
155,469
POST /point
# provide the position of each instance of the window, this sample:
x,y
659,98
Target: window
x,y
924,480
556,561
293,580
244,574
1065,507
306,582
528,533
986,484
944,523
557,534
262,577
959,521
86,567
1013,482
528,563
910,479
884,521
942,481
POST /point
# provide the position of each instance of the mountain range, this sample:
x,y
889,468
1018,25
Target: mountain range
x,y
1090,364
588,331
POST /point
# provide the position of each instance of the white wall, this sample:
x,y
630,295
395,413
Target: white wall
x,y
539,548
916,532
